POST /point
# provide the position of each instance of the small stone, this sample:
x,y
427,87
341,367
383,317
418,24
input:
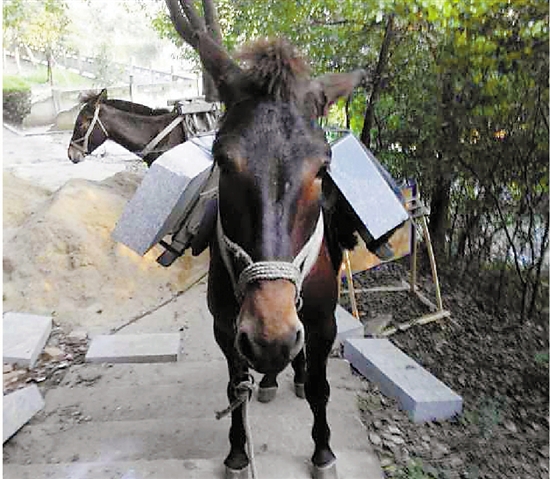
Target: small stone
x,y
397,440
510,426
425,438
386,462
439,450
8,368
14,376
375,439
377,424
77,336
394,430
53,352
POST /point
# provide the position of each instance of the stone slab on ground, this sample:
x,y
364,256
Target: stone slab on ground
x,y
419,393
134,348
24,337
19,407
347,326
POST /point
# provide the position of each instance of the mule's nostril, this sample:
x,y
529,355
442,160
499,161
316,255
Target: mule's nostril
x,y
244,345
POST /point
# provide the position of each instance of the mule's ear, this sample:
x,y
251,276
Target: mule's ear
x,y
327,89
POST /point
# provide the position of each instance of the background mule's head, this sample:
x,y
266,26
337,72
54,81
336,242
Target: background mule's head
x,y
88,133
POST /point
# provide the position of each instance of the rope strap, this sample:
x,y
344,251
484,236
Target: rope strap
x,y
267,270
157,139
243,391
295,272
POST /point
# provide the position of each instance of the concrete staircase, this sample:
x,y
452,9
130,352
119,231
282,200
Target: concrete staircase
x,y
156,421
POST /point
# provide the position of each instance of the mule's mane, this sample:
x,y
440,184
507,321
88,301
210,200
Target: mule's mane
x,y
124,105
275,68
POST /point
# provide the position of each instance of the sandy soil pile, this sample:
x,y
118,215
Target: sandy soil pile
x,y
59,257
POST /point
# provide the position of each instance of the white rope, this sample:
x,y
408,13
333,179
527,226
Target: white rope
x,y
243,392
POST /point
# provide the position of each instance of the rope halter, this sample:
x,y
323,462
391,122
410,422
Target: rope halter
x,y
295,271
85,139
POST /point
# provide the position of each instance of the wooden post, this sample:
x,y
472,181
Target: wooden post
x,y
414,252
351,288
429,246
131,87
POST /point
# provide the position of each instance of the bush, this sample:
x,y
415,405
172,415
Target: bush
x,y
16,99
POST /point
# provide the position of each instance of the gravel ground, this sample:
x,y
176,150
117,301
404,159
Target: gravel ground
x,y
495,363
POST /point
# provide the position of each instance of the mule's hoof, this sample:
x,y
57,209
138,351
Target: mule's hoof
x,y
237,473
325,472
300,390
267,394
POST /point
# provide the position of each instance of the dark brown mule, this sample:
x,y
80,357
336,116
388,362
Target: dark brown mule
x,y
275,256
129,124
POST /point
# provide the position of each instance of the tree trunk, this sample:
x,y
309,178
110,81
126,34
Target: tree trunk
x,y
376,82
439,215
209,89
211,19
49,61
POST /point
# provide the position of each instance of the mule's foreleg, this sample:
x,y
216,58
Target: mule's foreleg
x,y
317,390
237,458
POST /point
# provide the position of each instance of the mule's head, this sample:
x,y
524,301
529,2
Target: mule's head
x,y
88,132
272,158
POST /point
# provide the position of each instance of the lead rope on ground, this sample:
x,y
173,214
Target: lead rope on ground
x,y
243,391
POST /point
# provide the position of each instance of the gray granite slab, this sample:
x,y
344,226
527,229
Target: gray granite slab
x,y
24,337
347,326
134,348
18,408
419,393
163,195
354,171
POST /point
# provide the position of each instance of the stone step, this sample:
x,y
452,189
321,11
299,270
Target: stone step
x,y
350,465
173,438
134,348
197,390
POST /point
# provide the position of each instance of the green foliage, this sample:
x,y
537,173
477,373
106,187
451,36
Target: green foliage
x,y
416,470
38,24
16,99
14,83
542,357
463,101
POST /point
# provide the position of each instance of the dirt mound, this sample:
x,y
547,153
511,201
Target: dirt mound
x,y
60,258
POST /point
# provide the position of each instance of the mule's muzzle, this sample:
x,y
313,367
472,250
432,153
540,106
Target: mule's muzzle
x,y
269,333
270,357
76,155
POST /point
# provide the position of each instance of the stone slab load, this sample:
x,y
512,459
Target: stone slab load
x,y
135,348
164,195
24,337
19,407
419,393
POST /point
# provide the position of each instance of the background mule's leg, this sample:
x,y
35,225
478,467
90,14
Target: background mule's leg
x,y
268,385
299,366
268,388
236,461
